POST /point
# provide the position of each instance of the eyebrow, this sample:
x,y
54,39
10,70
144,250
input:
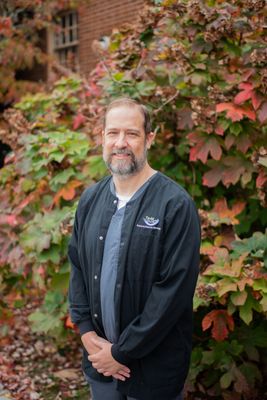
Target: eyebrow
x,y
127,130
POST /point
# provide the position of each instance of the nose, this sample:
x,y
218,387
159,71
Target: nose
x,y
121,141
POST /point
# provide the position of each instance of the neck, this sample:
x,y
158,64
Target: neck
x,y
128,185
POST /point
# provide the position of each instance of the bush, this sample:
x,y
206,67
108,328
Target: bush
x,y
200,67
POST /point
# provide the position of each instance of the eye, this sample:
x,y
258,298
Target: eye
x,y
133,133
111,133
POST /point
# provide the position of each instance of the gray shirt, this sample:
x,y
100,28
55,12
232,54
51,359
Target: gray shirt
x,y
110,266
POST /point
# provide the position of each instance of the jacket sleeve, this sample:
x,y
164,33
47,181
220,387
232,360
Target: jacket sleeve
x,y
78,299
172,295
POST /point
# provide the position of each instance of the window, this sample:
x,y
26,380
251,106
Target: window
x,y
66,41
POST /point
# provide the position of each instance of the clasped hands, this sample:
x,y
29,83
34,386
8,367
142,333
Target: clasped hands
x,y
99,351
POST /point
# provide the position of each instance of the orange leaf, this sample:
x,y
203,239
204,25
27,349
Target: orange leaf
x,y
67,192
221,323
69,323
224,212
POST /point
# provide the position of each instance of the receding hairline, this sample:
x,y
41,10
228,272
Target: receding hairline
x,y
128,102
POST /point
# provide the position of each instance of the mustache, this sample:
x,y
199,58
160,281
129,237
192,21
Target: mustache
x,y
122,151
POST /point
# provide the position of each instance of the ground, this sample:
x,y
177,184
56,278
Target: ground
x,y
33,368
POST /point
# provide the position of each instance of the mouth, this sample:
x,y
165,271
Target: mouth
x,y
121,155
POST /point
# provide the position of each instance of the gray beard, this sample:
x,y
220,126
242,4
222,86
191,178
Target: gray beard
x,y
125,168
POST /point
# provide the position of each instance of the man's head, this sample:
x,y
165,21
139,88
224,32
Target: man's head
x,y
126,101
126,137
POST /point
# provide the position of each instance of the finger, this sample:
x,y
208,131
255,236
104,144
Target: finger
x,y
101,370
124,368
107,374
119,377
124,373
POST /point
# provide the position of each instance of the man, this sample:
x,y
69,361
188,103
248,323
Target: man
x,y
134,253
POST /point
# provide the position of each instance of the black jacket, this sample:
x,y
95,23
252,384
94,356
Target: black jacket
x,y
157,274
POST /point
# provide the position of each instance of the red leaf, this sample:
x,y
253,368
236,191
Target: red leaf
x,y
11,219
185,118
246,86
229,170
204,145
219,130
234,112
221,323
243,96
78,120
93,89
261,179
213,177
247,73
5,26
262,115
235,167
229,141
243,143
256,100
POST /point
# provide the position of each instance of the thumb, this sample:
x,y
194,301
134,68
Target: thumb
x,y
98,342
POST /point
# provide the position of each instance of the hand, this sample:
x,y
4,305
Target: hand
x,y
105,364
91,347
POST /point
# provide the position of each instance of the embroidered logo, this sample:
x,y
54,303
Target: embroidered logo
x,y
151,221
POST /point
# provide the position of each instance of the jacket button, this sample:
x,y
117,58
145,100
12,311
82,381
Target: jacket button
x,y
101,238
115,201
95,315
95,277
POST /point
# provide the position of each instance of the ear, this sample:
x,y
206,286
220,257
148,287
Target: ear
x,y
102,136
150,139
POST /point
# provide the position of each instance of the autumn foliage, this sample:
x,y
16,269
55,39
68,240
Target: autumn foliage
x,y
200,66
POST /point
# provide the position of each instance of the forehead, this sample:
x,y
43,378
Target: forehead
x,y
126,117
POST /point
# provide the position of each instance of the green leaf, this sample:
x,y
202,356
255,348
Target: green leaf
x,y
251,372
61,178
52,254
60,282
146,88
263,303
246,311
260,284
118,76
263,161
226,380
236,128
42,322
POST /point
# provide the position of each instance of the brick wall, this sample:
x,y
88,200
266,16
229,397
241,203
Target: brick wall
x,y
97,19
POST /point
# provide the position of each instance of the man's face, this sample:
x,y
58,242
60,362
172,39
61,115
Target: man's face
x,y
124,141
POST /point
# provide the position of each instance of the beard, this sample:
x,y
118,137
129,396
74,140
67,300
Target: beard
x,y
127,167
